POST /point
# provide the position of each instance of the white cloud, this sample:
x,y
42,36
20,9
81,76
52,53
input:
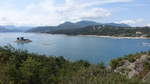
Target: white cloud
x,y
49,12
131,22
100,2
147,25
71,10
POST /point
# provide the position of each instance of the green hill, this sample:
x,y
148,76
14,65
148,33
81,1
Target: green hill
x,y
107,30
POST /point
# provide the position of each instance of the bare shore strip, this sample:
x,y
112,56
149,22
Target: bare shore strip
x,y
116,37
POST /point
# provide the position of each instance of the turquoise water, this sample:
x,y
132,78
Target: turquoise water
x,y
90,48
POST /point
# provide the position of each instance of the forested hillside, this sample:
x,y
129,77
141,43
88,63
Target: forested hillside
x,y
107,30
71,26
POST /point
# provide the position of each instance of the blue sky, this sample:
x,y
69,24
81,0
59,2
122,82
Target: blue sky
x,y
54,12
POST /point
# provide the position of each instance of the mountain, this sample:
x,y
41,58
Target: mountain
x,y
81,24
117,25
66,25
17,28
70,25
3,29
12,28
107,30
42,29
87,23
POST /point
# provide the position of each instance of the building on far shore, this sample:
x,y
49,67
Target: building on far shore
x,y
139,33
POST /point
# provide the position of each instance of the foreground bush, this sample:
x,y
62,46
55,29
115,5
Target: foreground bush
x,y
21,67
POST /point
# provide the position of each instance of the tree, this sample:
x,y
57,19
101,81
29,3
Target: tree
x,y
30,71
101,65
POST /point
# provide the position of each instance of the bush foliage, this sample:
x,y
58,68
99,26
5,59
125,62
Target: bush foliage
x,y
21,67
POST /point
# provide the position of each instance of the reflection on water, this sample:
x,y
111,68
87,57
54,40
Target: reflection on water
x,y
21,43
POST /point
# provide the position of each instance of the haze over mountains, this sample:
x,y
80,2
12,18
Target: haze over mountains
x,y
70,25
12,28
63,26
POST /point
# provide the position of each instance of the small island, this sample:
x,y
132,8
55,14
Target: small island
x,y
22,40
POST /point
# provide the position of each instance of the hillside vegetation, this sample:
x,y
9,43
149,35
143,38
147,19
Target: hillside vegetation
x,y
107,30
94,28
21,67
69,26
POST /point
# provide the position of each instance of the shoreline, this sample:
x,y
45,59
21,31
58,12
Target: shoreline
x,y
116,37
103,36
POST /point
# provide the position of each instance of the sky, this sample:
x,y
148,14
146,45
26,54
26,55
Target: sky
x,y
54,12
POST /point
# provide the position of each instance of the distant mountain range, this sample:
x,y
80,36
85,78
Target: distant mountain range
x,y
117,25
70,25
107,30
11,28
63,26
94,28
3,29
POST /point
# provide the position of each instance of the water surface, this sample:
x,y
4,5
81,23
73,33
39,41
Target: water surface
x,y
90,48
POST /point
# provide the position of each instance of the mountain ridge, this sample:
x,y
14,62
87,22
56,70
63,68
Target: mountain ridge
x,y
71,25
12,28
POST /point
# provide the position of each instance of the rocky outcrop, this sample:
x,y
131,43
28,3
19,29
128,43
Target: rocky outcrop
x,y
132,69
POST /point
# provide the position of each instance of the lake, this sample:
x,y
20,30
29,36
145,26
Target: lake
x,y
73,48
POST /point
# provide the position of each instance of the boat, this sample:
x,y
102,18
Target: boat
x,y
22,40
